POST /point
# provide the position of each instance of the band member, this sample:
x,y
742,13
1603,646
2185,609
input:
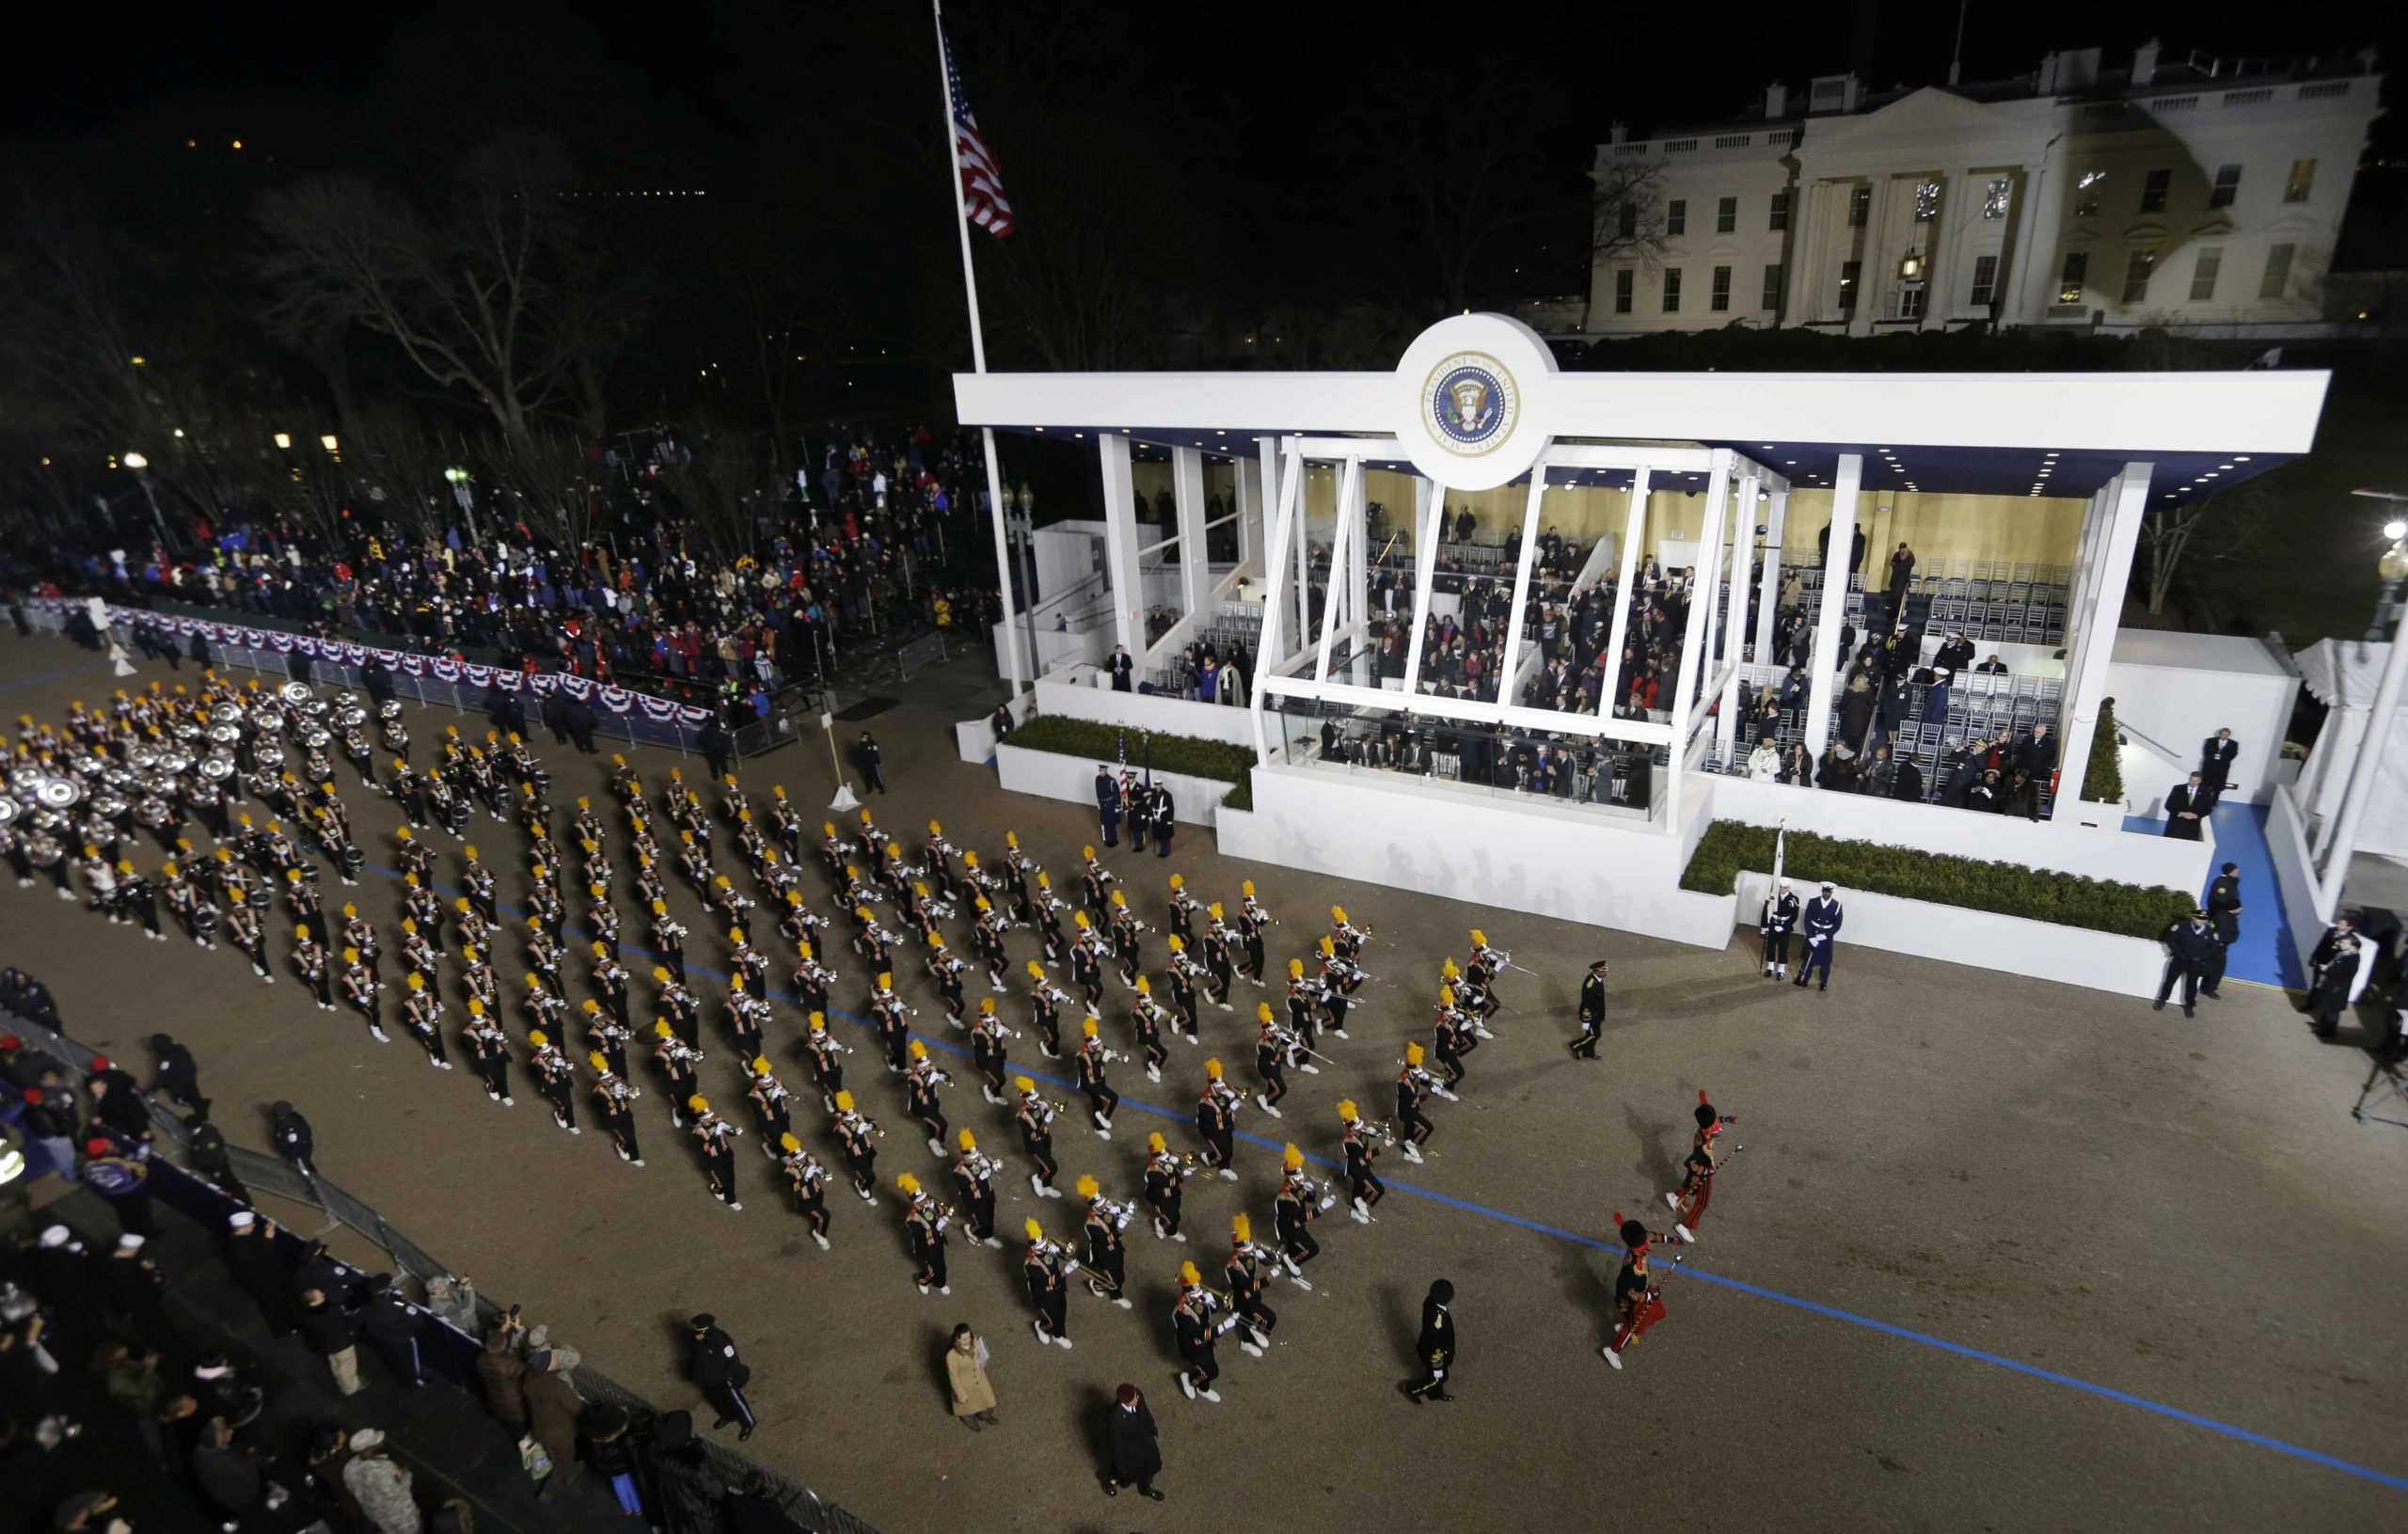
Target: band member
x,y
1301,1201
718,1137
479,881
1776,922
1345,937
488,1046
1248,1277
1145,1022
617,1095
1435,1346
1090,1061
243,929
1165,1185
543,952
1451,1039
1270,1059
1336,978
1216,1113
1035,1117
476,979
826,1053
677,1060
1184,908
1360,1142
1690,1199
474,927
361,934
1125,927
1303,999
748,1017
1192,1319
677,1005
360,989
811,979
924,1226
988,1053
1184,972
974,1171
311,961
1087,965
1092,879
1041,1268
1485,965
1252,918
139,899
555,1078
1637,1299
192,909
947,971
921,1080
1107,1262
1044,996
668,939
987,941
809,1181
857,1132
611,979
1413,1128
891,1017
770,1100
1216,959
1049,919
417,953
1592,1011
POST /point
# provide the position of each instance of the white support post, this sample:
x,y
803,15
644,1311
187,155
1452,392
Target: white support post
x,y
1342,553
2087,676
1835,605
1187,495
2343,843
1274,549
1120,544
1511,666
1245,490
1735,623
1354,497
1693,638
1634,528
1304,548
1428,509
1776,529
1705,588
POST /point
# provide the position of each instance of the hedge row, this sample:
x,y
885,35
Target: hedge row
x,y
2007,889
1184,754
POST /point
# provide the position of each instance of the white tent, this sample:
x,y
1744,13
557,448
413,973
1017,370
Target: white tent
x,y
2343,674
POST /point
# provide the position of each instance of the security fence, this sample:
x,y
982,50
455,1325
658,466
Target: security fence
x,y
469,689
451,1349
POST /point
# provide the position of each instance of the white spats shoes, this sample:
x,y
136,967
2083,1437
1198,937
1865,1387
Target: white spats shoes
x,y
1226,1007
378,1035
1611,1357
735,1209
1673,1201
820,1238
994,1241
1050,1192
1100,1122
1228,1174
1411,1151
1065,1343
1442,1092
637,1160
936,1148
988,1093
1037,1183
1360,1215
1187,1387
1250,1350
1687,1236
492,1097
1264,1103
922,1288
443,1065
1124,1302
944,1289
510,1103
1153,1073
1213,1396
1342,1033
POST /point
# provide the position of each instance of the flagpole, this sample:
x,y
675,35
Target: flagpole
x,y
1015,667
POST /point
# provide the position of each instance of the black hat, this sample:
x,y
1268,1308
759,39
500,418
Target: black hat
x,y
1706,1116
161,1042
703,1322
1633,1233
1597,964
1443,1292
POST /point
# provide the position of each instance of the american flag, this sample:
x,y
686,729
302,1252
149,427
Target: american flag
x,y
982,183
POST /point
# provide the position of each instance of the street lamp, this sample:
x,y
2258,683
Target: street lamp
x,y
284,440
327,442
140,464
136,460
1910,266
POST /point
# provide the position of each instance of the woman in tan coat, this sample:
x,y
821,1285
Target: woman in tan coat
x,y
965,1370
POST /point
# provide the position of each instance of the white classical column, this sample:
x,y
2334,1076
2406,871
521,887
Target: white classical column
x,y
1706,582
2343,843
1693,638
1245,491
1776,529
2036,220
1834,608
1873,281
1356,507
1510,665
1634,530
1187,495
1344,551
2087,672
1428,507
1267,653
1735,623
1304,548
1120,544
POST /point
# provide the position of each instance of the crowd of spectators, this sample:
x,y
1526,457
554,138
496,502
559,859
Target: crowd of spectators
x,y
885,536
150,1374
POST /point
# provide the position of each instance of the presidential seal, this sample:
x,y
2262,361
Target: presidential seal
x,y
1471,403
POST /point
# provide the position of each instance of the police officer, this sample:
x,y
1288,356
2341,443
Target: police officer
x,y
2223,920
1107,804
2190,948
1823,916
1592,1012
720,1375
1435,1346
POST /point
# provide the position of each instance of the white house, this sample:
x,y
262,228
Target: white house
x,y
2203,196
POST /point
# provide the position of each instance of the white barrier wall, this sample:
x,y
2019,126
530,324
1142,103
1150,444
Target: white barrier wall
x,y
1072,694
2180,688
1053,650
976,738
2294,873
2117,855
1195,801
1509,854
2012,945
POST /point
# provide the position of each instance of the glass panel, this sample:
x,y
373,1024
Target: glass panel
x,y
1607,779
1994,197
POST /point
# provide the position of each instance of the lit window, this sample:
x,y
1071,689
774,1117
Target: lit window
x,y
1926,202
2070,280
2300,182
1994,197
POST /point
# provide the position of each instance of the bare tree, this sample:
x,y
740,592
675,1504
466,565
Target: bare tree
x,y
2222,526
1627,212
470,281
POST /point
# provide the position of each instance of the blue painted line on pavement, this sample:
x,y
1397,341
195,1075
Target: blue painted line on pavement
x,y
2090,1388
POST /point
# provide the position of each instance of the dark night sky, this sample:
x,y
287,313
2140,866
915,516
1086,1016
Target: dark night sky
x,y
1645,64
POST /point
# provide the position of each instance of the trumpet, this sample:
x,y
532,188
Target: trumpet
x,y
1181,1163
1378,1131
1117,1212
